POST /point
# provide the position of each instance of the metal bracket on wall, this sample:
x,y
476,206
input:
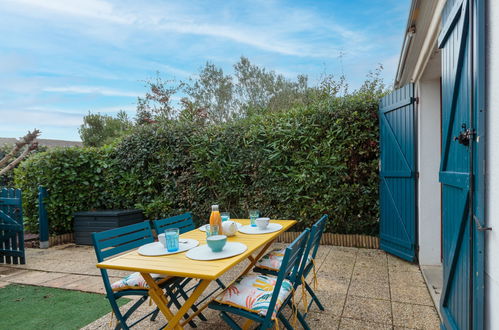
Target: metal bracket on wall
x,y
479,226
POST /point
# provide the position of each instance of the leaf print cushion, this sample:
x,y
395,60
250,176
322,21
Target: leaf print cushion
x,y
253,292
273,259
135,281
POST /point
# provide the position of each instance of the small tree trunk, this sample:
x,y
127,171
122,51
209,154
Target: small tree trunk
x,y
25,153
27,139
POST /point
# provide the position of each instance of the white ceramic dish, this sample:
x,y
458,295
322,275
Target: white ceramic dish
x,y
157,249
203,227
203,252
272,227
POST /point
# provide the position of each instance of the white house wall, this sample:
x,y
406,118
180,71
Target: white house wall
x,y
429,193
492,169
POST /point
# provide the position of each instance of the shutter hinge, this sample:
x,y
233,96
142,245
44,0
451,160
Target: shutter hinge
x,y
415,100
479,226
416,174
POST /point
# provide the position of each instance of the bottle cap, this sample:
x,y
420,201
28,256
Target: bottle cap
x,y
214,207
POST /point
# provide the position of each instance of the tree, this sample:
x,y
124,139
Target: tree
x,y
250,90
214,92
98,130
29,140
261,90
156,105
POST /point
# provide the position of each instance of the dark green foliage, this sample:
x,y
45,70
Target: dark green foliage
x,y
295,164
98,130
75,180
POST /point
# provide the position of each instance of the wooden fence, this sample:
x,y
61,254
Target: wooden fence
x,y
362,241
53,240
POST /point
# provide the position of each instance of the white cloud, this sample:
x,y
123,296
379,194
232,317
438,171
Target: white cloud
x,y
270,29
39,118
91,90
94,9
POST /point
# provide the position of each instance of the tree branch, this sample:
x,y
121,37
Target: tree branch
x,y
25,153
27,139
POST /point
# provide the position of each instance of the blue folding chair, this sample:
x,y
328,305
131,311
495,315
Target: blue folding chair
x,y
262,298
111,242
270,263
183,222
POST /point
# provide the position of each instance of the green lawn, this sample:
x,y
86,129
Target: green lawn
x,y
33,307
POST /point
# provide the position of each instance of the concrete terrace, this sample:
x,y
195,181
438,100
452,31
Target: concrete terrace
x,y
360,288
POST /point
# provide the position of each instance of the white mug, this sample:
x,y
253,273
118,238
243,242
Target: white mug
x,y
262,223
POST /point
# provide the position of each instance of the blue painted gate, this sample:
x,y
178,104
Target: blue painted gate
x,y
461,303
11,227
398,173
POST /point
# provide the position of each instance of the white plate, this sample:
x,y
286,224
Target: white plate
x,y
203,252
203,227
157,249
272,227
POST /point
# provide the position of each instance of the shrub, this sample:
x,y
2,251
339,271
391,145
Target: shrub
x,y
75,181
295,164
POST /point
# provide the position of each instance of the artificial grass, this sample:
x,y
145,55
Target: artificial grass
x,y
34,307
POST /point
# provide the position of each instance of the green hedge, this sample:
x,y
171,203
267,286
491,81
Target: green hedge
x,y
297,164
75,181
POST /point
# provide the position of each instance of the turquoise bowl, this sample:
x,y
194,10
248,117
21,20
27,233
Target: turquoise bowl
x,y
216,242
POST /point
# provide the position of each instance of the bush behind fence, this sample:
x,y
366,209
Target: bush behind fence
x,y
297,164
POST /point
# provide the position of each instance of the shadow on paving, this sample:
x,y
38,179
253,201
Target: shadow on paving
x,y
360,288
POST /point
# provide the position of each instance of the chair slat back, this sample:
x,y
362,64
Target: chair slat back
x,y
313,243
111,242
316,234
183,222
289,267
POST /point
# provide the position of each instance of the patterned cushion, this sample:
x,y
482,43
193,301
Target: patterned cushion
x,y
253,292
273,259
135,281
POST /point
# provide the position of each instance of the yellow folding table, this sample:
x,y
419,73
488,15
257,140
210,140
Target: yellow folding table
x,y
181,266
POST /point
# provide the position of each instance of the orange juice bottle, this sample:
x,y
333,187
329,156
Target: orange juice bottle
x,y
216,219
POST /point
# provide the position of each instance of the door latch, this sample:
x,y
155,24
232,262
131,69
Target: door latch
x,y
479,226
465,135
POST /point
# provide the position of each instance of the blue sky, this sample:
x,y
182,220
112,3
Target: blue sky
x,y
60,59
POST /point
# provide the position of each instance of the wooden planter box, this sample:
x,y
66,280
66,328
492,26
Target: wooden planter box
x,y
86,223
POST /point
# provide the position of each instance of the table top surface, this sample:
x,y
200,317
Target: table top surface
x,y
179,265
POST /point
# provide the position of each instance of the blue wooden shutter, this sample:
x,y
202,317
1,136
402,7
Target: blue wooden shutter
x,y
457,300
397,173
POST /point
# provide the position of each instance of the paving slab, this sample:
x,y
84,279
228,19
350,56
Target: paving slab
x,y
355,324
375,274
369,289
34,277
368,310
407,278
327,282
411,295
415,316
321,321
397,265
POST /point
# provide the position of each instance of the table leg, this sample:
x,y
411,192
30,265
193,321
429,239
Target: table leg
x,y
174,322
254,260
158,296
247,325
